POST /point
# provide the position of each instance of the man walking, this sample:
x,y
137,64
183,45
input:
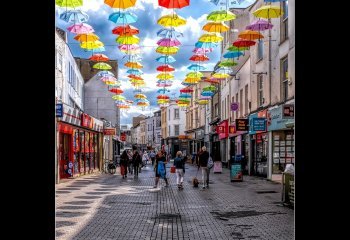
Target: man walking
x,y
203,164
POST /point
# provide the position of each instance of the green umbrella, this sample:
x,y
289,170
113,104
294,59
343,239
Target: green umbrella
x,y
210,88
194,74
227,63
218,16
102,66
184,100
236,49
69,3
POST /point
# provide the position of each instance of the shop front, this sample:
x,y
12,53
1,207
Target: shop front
x,y
238,147
259,144
222,131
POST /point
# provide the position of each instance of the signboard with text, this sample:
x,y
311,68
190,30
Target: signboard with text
x,y
59,110
232,129
259,124
109,131
242,124
288,111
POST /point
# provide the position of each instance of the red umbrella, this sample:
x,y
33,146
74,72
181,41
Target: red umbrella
x,y
165,68
116,90
243,43
126,30
199,58
212,80
173,3
99,57
135,77
186,90
162,97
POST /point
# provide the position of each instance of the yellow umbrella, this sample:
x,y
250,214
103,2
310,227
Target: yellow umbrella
x,y
268,11
111,82
140,96
215,27
120,3
192,79
171,20
131,52
91,45
165,76
223,15
133,65
211,37
250,35
194,75
86,37
118,97
160,101
167,50
127,39
202,102
137,81
138,84
221,75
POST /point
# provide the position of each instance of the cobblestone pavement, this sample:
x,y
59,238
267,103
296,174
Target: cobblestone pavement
x,y
109,207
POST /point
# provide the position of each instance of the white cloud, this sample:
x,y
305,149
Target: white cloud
x,y
148,45
141,4
94,5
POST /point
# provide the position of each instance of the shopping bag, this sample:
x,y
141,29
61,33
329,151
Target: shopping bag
x,y
122,170
172,169
210,163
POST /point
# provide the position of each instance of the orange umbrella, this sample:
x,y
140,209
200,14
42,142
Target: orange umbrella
x,y
133,65
250,35
135,77
86,37
116,90
162,97
199,58
127,30
99,57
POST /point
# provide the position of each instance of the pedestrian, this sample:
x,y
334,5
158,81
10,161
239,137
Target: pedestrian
x,y
124,159
160,160
179,163
152,156
136,161
130,166
203,164
194,155
145,158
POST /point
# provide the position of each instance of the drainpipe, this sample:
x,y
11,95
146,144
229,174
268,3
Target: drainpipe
x,y
270,66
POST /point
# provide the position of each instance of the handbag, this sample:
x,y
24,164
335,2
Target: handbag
x,y
172,169
210,163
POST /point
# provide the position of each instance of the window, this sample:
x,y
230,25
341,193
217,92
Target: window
x,y
260,49
59,61
238,105
232,112
260,90
246,100
176,113
228,107
224,108
284,78
69,73
196,119
169,132
284,21
177,130
241,103
216,109
169,114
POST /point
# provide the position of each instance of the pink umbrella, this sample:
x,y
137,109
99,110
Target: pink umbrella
x,y
168,42
164,84
202,50
259,25
80,28
108,78
125,47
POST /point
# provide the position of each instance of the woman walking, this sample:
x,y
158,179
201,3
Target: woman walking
x,y
136,161
124,164
159,168
179,163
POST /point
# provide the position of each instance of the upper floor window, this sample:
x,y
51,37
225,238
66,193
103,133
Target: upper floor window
x,y
176,113
260,90
284,78
260,49
284,21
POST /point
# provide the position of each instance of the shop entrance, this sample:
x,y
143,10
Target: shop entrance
x,y
65,159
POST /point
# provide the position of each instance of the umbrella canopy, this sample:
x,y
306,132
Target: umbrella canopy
x,y
74,16
202,50
142,104
216,27
99,57
199,58
105,73
171,20
117,84
100,49
120,3
102,66
243,43
232,54
127,30
140,96
210,88
165,68
111,82
162,96
227,63
220,75
86,37
116,90
165,76
202,101
259,25
205,45
164,81
118,97
210,37
184,100
250,35
196,67
169,42
194,75
167,50
132,76
165,59
108,78
186,90
187,84
125,47
69,3
169,33
133,65
91,45
163,84
268,11
122,17
163,90
224,70
235,49
162,101
80,28
135,81
134,71
218,16
173,3
207,93
127,39
191,80
185,95
212,80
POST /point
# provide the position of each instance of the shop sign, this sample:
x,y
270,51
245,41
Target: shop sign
x,y
259,124
234,107
200,134
288,111
222,129
86,120
123,137
70,115
261,114
232,129
277,121
109,131
242,124
182,137
59,110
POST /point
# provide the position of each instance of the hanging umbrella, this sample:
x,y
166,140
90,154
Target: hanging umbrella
x,y
243,43
134,77
220,75
128,47
165,59
162,96
185,95
259,25
235,49
250,35
134,71
95,50
116,90
120,3
87,37
202,101
169,33
167,50
205,45
133,65
216,27
202,50
227,63
224,70
186,90
196,67
199,58
117,84
171,20
105,73
165,76
163,101
108,78
164,81
80,28
168,42
210,37
163,105
135,81
69,3
122,17
140,96
191,80
99,58
268,11
102,66
173,3
142,104
212,80
218,16
188,84
127,30
163,90
210,88
131,52
165,68
127,39
91,45
74,16
232,54
163,84
118,97
194,75
110,82
184,100
207,93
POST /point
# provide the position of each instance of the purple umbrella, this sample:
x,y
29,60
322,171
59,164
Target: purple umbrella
x,y
80,28
168,42
202,50
259,25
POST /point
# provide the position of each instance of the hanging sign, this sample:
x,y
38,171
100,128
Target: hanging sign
x,y
259,124
242,124
234,107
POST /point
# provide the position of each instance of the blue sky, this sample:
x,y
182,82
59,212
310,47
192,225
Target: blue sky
x,y
148,13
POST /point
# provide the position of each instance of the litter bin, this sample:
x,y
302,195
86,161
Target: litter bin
x,y
288,188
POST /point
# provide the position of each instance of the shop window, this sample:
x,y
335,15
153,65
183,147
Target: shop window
x,y
283,150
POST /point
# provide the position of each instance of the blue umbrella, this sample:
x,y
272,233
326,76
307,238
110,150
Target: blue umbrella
x,y
169,33
163,90
164,81
105,73
166,59
234,4
100,49
205,45
185,95
207,93
122,17
188,84
196,67
232,54
74,16
134,71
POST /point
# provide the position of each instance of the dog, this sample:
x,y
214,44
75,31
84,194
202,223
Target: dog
x,y
195,182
